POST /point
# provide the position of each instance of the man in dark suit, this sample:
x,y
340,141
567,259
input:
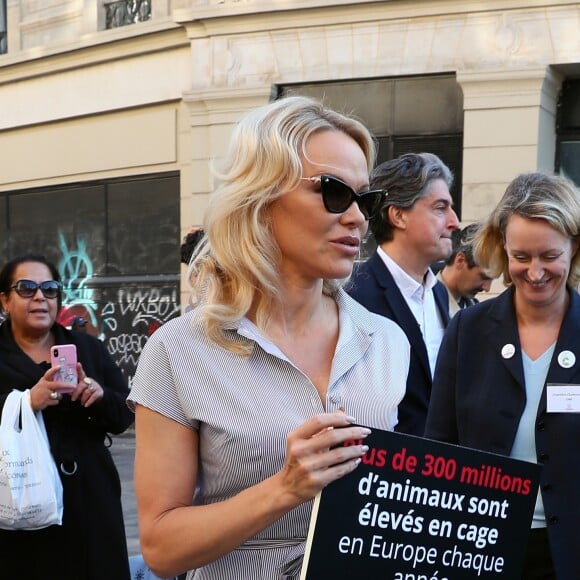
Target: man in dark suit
x,y
412,231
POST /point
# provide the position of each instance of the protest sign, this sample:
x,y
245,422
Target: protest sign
x,y
416,509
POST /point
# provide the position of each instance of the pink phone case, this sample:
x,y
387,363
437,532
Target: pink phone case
x,y
65,355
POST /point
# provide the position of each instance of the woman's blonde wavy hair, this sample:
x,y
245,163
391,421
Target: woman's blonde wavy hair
x,y
235,267
538,196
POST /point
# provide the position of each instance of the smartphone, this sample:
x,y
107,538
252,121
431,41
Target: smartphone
x,y
65,356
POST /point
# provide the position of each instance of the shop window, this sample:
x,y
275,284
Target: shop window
x,y
406,114
116,245
568,131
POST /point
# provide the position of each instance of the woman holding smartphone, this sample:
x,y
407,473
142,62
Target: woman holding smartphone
x,y
90,543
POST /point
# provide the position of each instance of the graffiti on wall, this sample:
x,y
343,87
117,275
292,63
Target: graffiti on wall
x,y
76,270
130,316
122,315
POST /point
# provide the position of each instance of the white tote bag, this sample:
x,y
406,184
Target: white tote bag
x,y
30,488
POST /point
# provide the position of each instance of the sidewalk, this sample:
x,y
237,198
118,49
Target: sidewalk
x,y
123,452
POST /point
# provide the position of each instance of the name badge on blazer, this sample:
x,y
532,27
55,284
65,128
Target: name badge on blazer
x,y
563,398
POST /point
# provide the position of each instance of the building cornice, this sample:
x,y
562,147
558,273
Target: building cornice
x,y
227,17
103,47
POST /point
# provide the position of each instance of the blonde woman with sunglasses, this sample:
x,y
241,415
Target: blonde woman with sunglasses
x,y
246,396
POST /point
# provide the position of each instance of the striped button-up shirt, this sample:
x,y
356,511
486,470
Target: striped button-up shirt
x,y
244,407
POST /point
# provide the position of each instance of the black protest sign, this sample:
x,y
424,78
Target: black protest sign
x,y
417,509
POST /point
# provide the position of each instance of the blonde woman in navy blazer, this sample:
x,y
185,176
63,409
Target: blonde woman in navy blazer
x,y
481,397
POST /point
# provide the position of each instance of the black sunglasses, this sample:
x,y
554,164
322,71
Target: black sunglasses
x,y
28,288
337,196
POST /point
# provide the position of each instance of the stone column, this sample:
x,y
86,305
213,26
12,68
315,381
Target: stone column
x,y
509,128
212,115
13,26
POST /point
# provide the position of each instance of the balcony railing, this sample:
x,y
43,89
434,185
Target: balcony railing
x,y
124,12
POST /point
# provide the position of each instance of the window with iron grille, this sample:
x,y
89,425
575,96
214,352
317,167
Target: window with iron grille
x,y
124,12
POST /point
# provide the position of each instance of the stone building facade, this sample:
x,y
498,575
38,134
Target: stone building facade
x,y
110,113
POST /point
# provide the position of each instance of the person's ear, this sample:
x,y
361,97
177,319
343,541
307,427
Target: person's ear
x,y
397,217
460,260
4,302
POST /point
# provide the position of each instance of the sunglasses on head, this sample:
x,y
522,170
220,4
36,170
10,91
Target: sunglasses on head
x,y
337,196
28,288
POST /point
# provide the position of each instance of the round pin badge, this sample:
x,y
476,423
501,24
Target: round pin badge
x,y
508,351
566,359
